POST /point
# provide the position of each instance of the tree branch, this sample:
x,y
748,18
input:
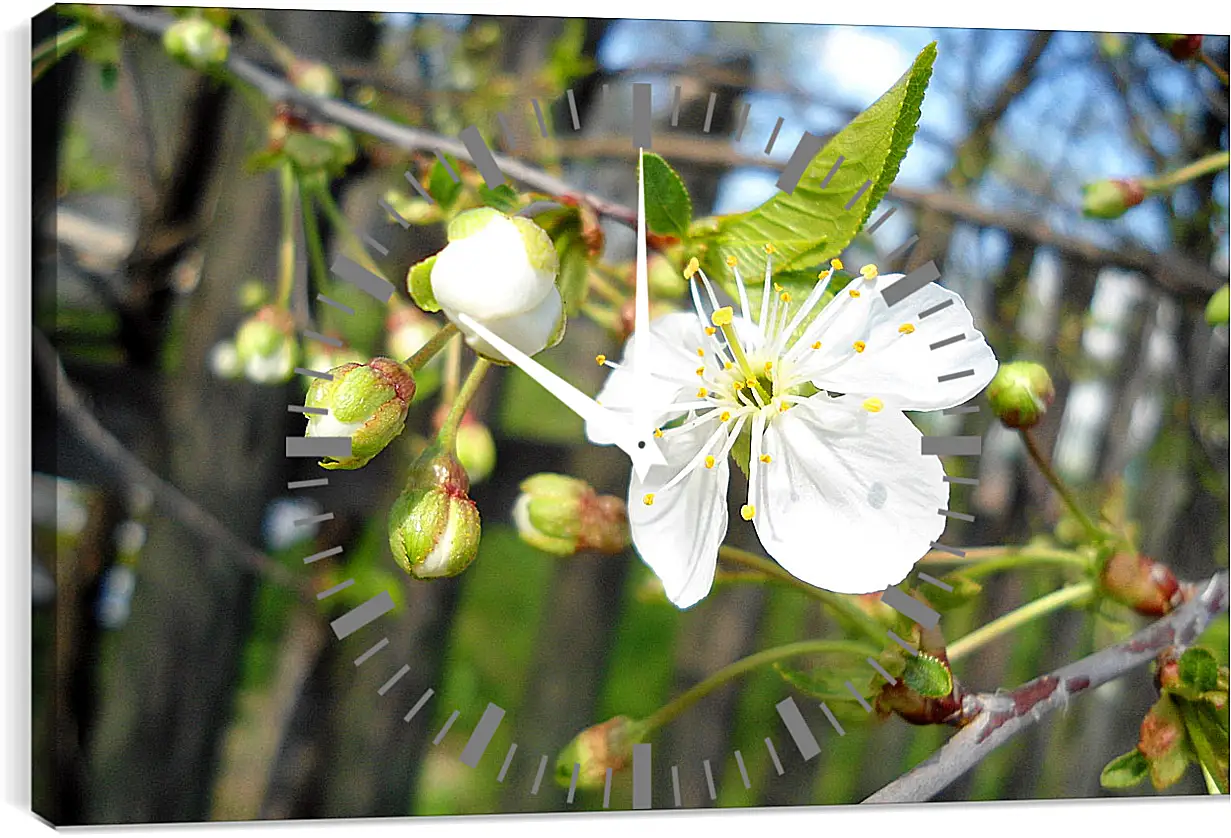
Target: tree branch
x,y
997,717
134,472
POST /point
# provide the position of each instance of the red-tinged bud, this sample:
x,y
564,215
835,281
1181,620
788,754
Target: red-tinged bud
x,y
1162,743
313,78
597,748
1108,199
1179,47
366,402
1021,393
1146,586
197,43
434,526
562,515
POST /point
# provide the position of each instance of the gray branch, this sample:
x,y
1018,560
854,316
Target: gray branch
x,y
999,716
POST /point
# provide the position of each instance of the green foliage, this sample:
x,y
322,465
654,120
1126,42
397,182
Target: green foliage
x,y
567,61
1125,771
811,224
1198,670
574,271
442,187
928,676
964,590
668,207
503,198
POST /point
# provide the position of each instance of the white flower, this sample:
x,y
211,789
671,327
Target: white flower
x,y
839,491
501,271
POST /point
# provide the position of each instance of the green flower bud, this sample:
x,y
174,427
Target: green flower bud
x,y
1020,394
1141,583
1216,310
266,346
1179,47
476,449
597,748
197,43
366,402
315,79
434,525
1111,198
253,294
561,515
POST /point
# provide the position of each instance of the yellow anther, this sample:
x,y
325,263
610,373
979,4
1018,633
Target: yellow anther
x,y
769,365
869,271
739,385
860,346
769,248
855,292
700,370
658,432
722,316
747,511
777,287
873,405
600,359
692,268
836,264
709,461
816,345
765,458
783,407
907,329
728,365
702,393
752,383
785,297
700,352
731,261
648,500
710,330
726,416
823,275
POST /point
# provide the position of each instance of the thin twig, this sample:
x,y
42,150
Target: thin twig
x,y
134,472
997,717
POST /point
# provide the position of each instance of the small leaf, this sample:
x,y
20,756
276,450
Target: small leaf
x,y
1125,771
503,198
668,207
1208,739
419,283
928,676
1199,670
441,186
573,279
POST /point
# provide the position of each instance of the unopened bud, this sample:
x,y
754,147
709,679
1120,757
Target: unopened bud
x,y
476,449
1216,310
1146,586
434,526
224,360
597,748
266,346
366,402
561,515
1179,47
315,79
253,294
1020,394
1111,198
197,43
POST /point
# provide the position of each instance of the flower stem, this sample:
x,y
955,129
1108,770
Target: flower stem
x,y
262,34
448,428
673,708
1054,601
453,371
312,234
343,228
1036,454
1215,162
58,46
286,245
837,602
1219,72
605,289
1016,558
434,344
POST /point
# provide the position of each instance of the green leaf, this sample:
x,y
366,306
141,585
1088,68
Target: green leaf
x,y
419,283
503,198
574,271
1199,670
1208,740
825,685
668,207
442,187
812,224
1125,771
928,676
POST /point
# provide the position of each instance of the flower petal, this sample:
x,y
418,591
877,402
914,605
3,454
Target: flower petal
x,y
529,331
897,363
678,534
847,503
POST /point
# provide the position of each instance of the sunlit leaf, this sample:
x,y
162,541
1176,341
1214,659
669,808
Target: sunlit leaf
x,y
503,198
1125,771
574,271
1199,670
668,207
928,676
442,187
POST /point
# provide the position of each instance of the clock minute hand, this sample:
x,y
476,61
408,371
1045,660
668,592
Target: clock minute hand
x,y
639,445
641,305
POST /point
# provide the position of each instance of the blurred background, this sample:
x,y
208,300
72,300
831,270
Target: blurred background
x,y
178,677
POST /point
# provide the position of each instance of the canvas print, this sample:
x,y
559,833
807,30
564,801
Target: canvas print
x,y
448,414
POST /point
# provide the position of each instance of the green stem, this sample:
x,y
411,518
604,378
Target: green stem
x,y
448,428
604,317
262,34
1215,162
312,234
689,697
836,602
286,245
453,371
1036,454
60,44
1023,558
1054,601
434,344
605,289
343,229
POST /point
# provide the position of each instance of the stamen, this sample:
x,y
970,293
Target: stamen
x,y
836,264
725,416
765,295
722,316
860,346
906,329
769,248
700,352
816,345
754,466
765,458
710,330
709,461
785,297
702,393
648,500
873,405
700,370
747,511
869,271
658,432
855,293
692,267
600,359
732,261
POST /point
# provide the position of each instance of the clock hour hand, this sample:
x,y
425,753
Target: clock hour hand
x,y
641,305
636,440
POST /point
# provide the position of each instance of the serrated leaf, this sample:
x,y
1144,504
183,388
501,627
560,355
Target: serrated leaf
x,y
812,224
441,186
503,198
573,279
928,676
1198,670
419,284
668,206
1125,771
